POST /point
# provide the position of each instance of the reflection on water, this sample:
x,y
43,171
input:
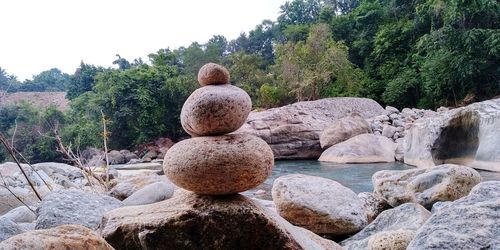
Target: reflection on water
x,y
354,176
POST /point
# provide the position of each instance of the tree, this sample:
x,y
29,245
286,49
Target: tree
x,y
82,80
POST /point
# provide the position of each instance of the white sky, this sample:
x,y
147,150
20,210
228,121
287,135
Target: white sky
x,y
39,35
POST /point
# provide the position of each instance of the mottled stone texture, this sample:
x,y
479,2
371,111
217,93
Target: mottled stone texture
x,y
219,165
364,148
213,74
343,129
215,110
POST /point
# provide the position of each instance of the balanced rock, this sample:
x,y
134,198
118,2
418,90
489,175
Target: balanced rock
x,y
213,74
364,148
215,110
64,237
321,205
409,216
472,222
446,182
219,165
343,129
191,221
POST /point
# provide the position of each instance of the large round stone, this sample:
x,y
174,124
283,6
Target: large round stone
x,y
213,74
215,110
219,165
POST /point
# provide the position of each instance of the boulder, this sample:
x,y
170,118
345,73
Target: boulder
x,y
219,164
191,221
372,205
365,148
8,228
446,182
471,222
52,169
115,157
321,205
213,74
74,207
388,131
466,136
293,131
151,193
391,110
9,201
399,152
127,185
21,214
64,237
392,240
409,216
343,129
215,110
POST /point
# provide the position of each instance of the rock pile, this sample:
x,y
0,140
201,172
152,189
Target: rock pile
x,y
215,162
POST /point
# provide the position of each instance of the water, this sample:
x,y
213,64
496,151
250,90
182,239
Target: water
x,y
357,177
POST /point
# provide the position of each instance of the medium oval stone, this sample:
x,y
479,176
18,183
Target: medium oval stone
x,y
215,110
213,74
219,165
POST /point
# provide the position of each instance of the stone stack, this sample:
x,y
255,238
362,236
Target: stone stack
x,y
215,162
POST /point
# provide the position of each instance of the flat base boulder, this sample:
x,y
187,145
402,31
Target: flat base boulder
x,y
319,204
446,182
191,221
472,222
64,237
364,148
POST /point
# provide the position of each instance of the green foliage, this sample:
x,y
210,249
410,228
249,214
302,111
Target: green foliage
x,y
82,80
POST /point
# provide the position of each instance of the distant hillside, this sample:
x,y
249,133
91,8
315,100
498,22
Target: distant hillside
x,y
37,99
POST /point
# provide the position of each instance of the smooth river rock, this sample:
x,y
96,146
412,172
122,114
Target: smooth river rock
x,y
293,131
446,182
21,214
74,207
218,165
472,222
151,193
213,74
8,201
343,129
215,110
74,237
409,216
466,136
126,186
321,205
364,148
191,221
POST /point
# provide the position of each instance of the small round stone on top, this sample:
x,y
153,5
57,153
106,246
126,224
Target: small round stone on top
x,y
213,74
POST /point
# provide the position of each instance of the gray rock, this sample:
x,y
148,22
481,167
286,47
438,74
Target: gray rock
x,y
115,157
398,123
391,110
293,131
215,110
127,185
388,131
21,214
74,207
190,221
446,182
51,168
382,118
409,216
321,205
399,153
372,205
218,165
343,129
9,202
8,228
151,193
365,148
468,223
466,136
439,205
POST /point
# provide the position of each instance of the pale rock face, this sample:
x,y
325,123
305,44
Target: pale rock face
x,y
9,201
447,182
126,186
8,228
21,214
364,148
466,136
318,204
293,131
215,110
399,153
151,193
409,216
218,165
471,222
64,237
343,129
213,74
391,240
188,221
373,205
388,131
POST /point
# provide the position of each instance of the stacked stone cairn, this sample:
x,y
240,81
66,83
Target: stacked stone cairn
x,y
214,162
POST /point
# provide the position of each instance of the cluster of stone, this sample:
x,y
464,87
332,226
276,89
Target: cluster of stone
x,y
215,162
